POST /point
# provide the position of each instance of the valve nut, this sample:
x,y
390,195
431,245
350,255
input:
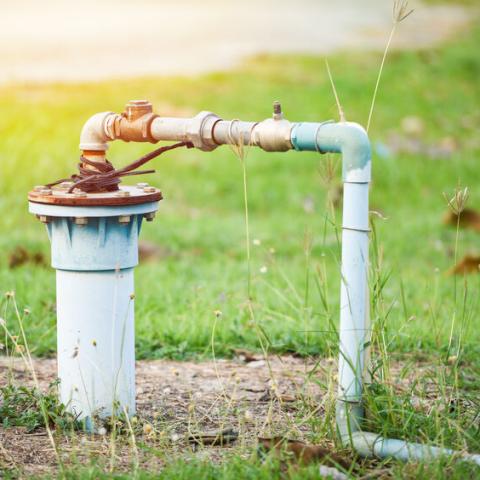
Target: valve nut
x,y
200,131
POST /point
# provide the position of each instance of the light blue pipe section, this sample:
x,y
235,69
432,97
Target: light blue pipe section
x,y
352,142
347,138
370,444
102,244
94,250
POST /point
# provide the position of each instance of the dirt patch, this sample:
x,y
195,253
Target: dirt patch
x,y
174,400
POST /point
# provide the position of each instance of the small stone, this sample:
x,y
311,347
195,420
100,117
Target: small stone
x,y
332,473
256,364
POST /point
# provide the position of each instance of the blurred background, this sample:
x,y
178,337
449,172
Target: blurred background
x,y
60,62
72,41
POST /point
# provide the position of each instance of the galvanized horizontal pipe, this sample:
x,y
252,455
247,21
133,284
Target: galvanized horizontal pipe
x,y
234,132
170,128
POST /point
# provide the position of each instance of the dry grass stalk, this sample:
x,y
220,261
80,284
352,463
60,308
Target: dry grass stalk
x,y
400,13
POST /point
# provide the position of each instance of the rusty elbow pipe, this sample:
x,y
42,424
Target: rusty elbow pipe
x,y
95,135
133,125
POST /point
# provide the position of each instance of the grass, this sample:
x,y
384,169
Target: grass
x,y
199,235
418,310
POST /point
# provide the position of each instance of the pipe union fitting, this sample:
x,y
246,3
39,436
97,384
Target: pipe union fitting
x,y
200,131
273,135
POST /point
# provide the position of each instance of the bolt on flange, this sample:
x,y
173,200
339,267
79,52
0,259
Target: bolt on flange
x,y
65,185
81,221
124,219
44,218
149,216
122,193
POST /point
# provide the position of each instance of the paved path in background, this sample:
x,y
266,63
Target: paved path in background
x,y
82,40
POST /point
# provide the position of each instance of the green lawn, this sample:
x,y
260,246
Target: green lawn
x,y
200,228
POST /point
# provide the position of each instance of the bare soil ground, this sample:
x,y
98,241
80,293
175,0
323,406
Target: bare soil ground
x,y
175,399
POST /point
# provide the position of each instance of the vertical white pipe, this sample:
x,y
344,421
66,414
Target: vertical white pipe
x,y
354,287
95,336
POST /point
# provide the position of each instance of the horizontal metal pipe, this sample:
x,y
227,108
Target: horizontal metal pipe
x,y
170,128
228,132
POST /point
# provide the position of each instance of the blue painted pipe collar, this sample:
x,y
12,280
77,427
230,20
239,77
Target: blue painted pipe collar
x,y
81,240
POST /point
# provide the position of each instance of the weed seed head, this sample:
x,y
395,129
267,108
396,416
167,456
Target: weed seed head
x,y
147,429
458,201
400,10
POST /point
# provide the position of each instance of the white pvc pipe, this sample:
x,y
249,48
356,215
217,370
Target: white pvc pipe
x,y
95,337
353,332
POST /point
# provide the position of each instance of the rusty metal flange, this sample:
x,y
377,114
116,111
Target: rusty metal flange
x,y
126,195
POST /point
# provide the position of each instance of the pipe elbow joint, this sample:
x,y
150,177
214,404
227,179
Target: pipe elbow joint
x,y
95,135
356,151
348,138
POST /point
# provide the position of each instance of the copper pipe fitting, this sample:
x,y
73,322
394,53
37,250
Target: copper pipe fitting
x,y
133,125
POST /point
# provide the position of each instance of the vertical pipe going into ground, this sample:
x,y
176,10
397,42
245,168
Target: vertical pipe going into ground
x,y
94,250
96,341
352,141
